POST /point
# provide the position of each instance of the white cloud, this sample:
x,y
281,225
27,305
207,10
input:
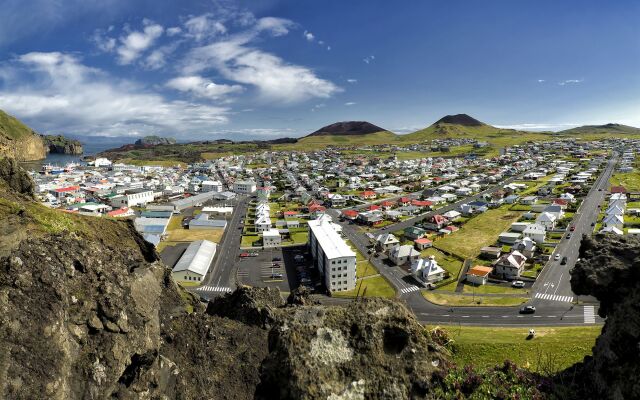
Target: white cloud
x,y
202,87
275,26
136,42
352,80
539,126
318,106
204,26
309,36
174,30
369,59
350,103
275,79
58,94
541,80
570,82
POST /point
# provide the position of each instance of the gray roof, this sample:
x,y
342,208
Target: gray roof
x,y
197,257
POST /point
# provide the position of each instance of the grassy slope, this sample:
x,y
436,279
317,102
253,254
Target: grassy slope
x,y
482,230
599,130
555,347
11,127
311,142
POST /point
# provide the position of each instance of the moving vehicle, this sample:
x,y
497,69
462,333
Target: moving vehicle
x,y
593,224
276,275
557,257
276,259
517,284
528,310
573,228
244,255
569,235
564,261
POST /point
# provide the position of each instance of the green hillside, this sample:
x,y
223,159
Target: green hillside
x,y
309,142
12,128
602,129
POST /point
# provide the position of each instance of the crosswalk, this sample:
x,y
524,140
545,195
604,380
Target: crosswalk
x,y
589,315
208,288
554,297
243,272
409,289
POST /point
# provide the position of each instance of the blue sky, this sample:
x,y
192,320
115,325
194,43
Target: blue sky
x,y
203,69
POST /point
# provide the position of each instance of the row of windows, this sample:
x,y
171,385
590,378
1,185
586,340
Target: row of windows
x,y
334,283
339,276
339,268
192,278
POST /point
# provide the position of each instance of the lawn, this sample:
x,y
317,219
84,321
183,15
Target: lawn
x,y
376,286
553,348
493,289
630,180
191,235
247,240
458,300
482,230
300,237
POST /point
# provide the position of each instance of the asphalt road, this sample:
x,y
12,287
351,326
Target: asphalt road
x,y
555,279
222,269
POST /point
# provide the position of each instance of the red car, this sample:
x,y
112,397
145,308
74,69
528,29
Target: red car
x,y
243,255
573,228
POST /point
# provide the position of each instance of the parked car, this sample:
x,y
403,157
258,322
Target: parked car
x,y
569,235
517,284
593,224
276,259
253,254
244,255
276,275
527,310
573,228
276,265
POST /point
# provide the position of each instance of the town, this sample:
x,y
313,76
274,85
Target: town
x,y
377,221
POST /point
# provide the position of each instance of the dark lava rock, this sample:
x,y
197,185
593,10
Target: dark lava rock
x,y
59,144
16,177
459,119
154,140
609,269
250,306
348,128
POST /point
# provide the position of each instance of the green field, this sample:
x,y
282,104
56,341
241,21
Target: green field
x,y
553,348
457,300
630,180
375,286
493,289
482,230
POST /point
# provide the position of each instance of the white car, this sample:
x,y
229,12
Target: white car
x,y
517,284
557,257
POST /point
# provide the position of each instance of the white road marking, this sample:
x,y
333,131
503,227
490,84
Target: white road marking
x,y
554,297
209,288
589,315
409,289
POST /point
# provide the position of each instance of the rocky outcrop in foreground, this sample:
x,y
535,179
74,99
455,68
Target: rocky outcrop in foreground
x,y
610,270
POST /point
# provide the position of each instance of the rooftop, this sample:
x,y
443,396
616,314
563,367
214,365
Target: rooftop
x,y
333,245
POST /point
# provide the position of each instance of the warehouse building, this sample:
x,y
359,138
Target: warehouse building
x,y
195,262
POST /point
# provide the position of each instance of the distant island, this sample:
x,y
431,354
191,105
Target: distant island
x,y
154,140
58,144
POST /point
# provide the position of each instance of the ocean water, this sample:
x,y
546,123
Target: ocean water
x,y
90,146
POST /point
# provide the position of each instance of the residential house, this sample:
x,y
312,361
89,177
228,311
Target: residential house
x,y
509,237
536,232
548,220
423,243
414,232
490,252
509,266
613,220
386,242
271,238
526,246
478,275
401,255
427,270
436,222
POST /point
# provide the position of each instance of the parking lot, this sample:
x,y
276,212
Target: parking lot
x,y
284,268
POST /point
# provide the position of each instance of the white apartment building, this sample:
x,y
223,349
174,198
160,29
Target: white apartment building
x,y
212,186
333,257
244,187
132,198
